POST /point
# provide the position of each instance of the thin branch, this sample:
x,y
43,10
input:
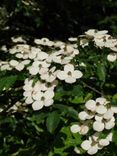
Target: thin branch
x,y
95,90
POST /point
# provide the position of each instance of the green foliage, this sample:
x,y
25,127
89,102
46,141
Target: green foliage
x,y
47,132
7,82
52,121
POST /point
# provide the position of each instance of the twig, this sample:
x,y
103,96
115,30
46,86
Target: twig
x,y
95,90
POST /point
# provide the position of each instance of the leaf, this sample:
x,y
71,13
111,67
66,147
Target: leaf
x,y
77,91
115,137
7,82
77,100
114,99
72,113
52,121
101,72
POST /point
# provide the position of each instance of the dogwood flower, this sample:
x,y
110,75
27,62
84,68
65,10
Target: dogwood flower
x,y
50,75
38,67
43,99
69,74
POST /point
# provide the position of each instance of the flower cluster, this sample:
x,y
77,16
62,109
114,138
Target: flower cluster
x,y
99,116
46,62
101,39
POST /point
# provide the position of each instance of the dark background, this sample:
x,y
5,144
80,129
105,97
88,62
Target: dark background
x,y
56,19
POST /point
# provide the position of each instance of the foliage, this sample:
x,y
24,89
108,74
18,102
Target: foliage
x,y
46,132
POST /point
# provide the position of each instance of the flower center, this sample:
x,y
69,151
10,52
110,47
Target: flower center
x,y
42,98
70,73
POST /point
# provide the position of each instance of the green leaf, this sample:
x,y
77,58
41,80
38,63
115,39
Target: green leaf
x,y
72,113
7,82
52,121
77,100
114,99
115,137
101,72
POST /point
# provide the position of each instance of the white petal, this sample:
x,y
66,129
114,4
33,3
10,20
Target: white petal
x,y
69,67
92,150
109,125
49,94
77,150
37,105
70,79
110,136
33,70
83,115
104,142
75,128
77,74
98,126
109,114
90,105
101,100
14,63
112,57
27,94
19,67
25,62
84,129
98,117
42,55
62,75
86,145
48,102
114,109
101,109
37,95
29,100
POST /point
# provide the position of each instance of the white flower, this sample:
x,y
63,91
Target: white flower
x,y
33,52
106,121
59,57
13,63
38,67
50,75
43,99
69,74
96,33
44,42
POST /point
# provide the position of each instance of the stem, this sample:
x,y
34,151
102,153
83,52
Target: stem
x,y
95,90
